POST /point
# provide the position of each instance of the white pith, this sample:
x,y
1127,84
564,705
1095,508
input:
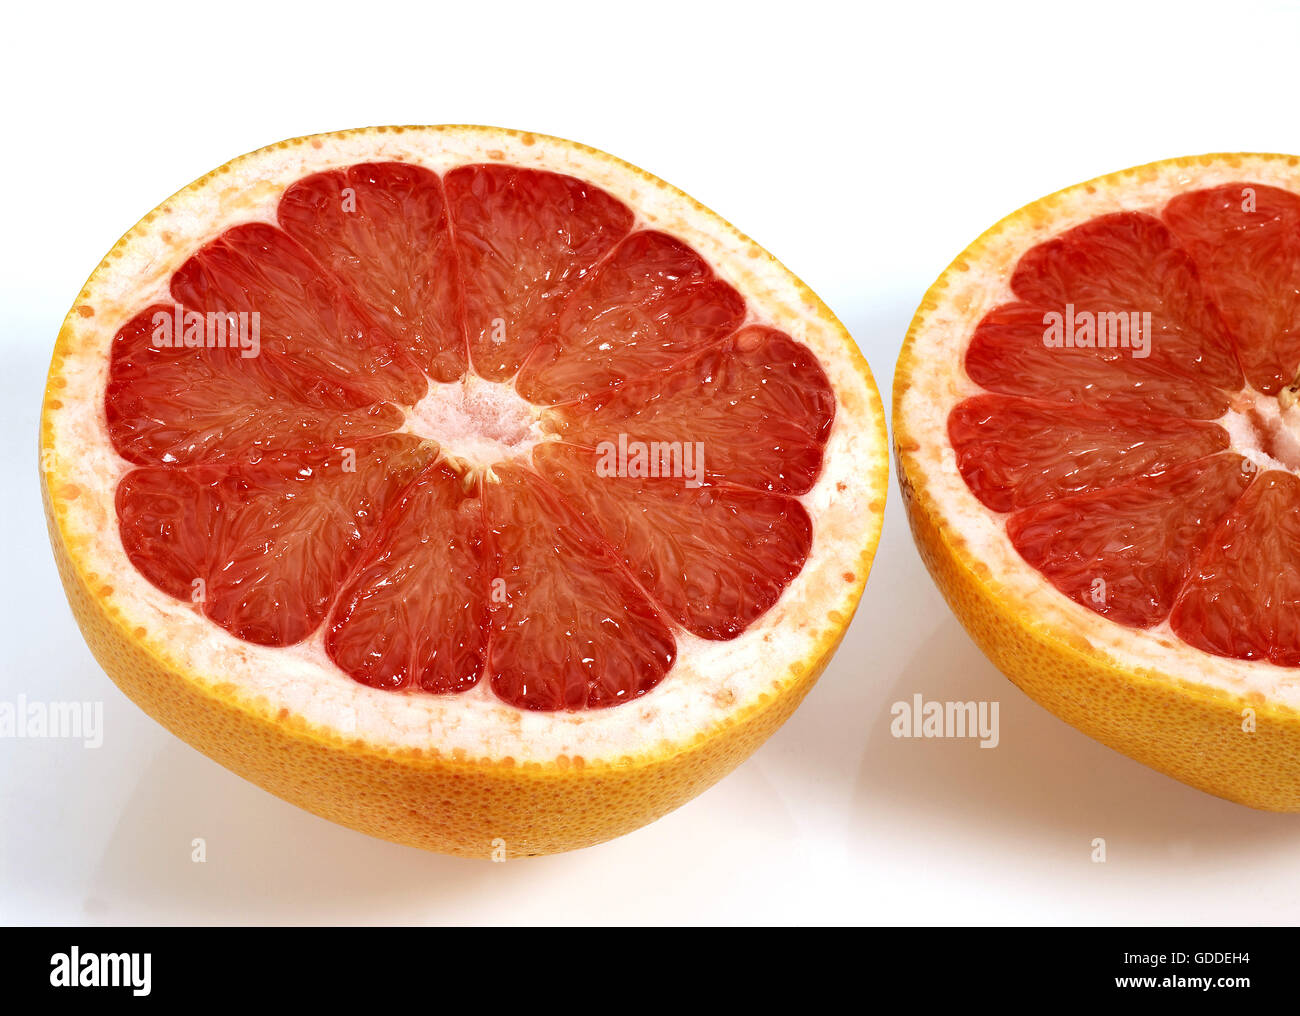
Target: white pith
x,y
1253,416
710,679
980,281
477,422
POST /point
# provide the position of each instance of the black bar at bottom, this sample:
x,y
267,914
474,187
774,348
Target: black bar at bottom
x,y
339,966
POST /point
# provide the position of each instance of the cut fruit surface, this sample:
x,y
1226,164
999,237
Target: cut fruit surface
x,y
1249,571
525,239
763,428
402,624
572,629
677,540
262,547
649,305
363,299
383,230
1111,372
459,484
1126,551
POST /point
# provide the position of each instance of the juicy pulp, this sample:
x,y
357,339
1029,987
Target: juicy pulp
x,y
296,490
1153,489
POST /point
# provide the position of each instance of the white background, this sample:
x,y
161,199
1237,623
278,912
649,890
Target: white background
x,y
865,146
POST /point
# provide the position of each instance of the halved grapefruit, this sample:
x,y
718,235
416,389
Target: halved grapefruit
x,y
468,487
1099,449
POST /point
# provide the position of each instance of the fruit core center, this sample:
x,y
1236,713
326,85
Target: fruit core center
x,y
1265,429
480,422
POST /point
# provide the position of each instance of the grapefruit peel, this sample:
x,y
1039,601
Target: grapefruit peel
x,y
1230,727
464,774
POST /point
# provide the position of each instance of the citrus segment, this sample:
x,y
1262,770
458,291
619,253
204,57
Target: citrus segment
x,y
715,556
1245,241
178,404
758,403
1125,551
1007,355
1004,459
414,613
525,239
309,323
383,230
261,548
570,629
1244,598
650,304
1124,263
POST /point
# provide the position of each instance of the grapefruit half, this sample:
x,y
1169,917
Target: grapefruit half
x,y
467,487
1099,449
